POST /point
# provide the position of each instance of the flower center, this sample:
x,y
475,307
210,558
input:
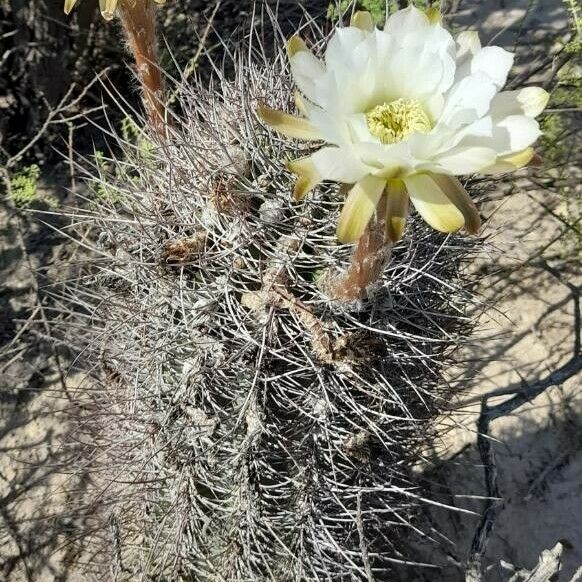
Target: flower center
x,y
394,121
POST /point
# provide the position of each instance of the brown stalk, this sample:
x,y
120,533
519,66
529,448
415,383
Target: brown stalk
x,y
140,27
368,259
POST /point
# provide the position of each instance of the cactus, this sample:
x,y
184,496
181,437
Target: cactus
x,y
243,423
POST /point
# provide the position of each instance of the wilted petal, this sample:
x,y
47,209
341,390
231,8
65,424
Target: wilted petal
x,y
396,209
300,103
69,5
530,101
511,162
359,208
455,192
434,15
339,164
108,8
288,124
362,20
296,45
307,176
433,204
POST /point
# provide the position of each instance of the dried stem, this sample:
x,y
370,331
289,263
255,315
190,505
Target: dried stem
x,y
368,259
140,27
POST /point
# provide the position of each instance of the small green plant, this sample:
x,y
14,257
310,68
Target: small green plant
x,y
560,140
141,151
377,8
104,192
133,134
574,7
23,188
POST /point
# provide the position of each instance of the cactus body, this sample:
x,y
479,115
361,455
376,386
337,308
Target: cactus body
x,y
248,426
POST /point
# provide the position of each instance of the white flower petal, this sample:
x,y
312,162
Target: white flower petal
x,y
339,164
446,138
468,44
515,133
347,90
510,163
341,49
386,161
464,160
359,208
432,203
433,105
358,129
530,101
330,125
306,70
468,100
407,22
419,73
419,61
495,62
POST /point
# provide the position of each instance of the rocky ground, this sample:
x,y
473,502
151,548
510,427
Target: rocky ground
x,y
527,332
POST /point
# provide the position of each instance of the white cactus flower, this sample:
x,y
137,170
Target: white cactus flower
x,y
402,111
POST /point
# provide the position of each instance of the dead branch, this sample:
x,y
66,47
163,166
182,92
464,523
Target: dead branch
x,y
547,568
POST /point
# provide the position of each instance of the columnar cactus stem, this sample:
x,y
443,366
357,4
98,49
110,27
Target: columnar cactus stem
x,y
140,27
245,426
368,260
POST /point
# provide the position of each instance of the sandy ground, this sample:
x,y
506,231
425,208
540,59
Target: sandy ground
x,y
37,497
527,333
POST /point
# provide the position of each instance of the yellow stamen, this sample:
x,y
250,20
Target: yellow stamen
x,y
392,122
